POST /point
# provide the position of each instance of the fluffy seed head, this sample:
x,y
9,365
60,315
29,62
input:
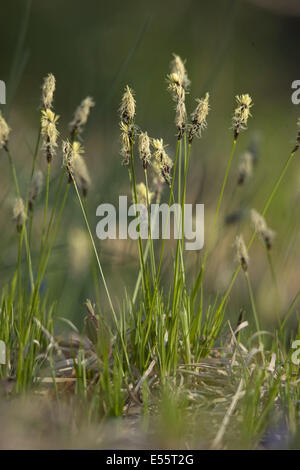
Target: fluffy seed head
x,y
75,165
81,115
4,132
163,160
126,138
241,113
262,229
141,192
48,89
177,66
175,86
49,132
180,118
198,117
81,173
241,252
127,108
19,213
144,149
35,189
245,167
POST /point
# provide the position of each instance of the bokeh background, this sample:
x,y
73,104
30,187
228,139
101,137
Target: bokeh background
x,y
95,48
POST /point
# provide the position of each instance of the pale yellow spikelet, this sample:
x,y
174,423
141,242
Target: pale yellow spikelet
x,y
4,132
81,115
178,66
175,86
241,113
180,118
158,177
141,192
81,173
49,132
35,188
126,136
67,155
241,252
198,117
75,165
144,149
19,214
162,158
127,108
245,167
48,89
261,227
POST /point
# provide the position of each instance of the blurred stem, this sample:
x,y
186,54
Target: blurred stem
x,y
140,245
24,229
46,205
36,151
100,269
264,211
274,279
153,267
219,204
254,311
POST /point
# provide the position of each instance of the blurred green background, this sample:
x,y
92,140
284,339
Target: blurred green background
x,y
95,48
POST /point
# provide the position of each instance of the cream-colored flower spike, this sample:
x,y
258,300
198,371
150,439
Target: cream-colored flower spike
x,y
127,108
35,188
178,67
19,213
241,252
241,113
144,149
48,89
180,118
198,117
81,115
49,132
4,132
260,226
141,192
163,160
245,167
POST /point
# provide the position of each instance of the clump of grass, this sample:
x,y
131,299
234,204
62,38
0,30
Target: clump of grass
x,y
168,351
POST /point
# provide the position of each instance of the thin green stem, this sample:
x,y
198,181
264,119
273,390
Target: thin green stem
x,y
100,269
219,204
46,205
